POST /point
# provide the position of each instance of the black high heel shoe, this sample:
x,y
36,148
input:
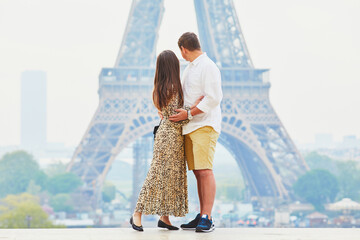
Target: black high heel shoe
x,y
137,228
161,224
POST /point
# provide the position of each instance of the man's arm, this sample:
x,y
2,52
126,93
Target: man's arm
x,y
182,114
211,81
195,111
211,84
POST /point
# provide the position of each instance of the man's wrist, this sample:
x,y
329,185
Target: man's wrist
x,y
189,116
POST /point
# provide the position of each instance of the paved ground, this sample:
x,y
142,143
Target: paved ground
x,y
153,233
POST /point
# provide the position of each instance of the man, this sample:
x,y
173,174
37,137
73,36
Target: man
x,y
200,78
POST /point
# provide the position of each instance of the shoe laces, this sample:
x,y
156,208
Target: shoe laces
x,y
204,219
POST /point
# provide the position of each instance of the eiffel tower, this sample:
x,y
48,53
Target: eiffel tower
x,y
251,130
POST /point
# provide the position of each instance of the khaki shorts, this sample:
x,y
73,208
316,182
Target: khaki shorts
x,y
200,148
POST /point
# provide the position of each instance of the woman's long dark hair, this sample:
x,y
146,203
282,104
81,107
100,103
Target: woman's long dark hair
x,y
167,79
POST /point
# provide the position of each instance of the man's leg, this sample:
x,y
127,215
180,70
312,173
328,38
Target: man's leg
x,y
199,150
203,146
198,180
190,162
206,190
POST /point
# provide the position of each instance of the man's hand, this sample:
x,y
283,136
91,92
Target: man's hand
x,y
182,115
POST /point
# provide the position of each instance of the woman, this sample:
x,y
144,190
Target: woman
x,y
165,188
164,191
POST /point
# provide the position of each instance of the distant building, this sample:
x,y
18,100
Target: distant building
x,y
350,141
33,109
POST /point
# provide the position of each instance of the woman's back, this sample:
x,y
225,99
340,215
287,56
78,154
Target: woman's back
x,y
169,110
165,189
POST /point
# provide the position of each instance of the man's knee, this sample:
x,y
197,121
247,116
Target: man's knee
x,y
202,173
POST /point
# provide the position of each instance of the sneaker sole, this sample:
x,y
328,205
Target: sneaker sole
x,y
204,230
188,228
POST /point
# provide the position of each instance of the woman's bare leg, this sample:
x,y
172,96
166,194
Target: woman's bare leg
x,y
165,219
137,218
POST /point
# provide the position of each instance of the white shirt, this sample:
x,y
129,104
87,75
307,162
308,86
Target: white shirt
x,y
202,78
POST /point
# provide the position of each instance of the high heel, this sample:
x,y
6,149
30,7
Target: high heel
x,y
137,228
161,224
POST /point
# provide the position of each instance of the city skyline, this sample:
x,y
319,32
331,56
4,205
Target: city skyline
x,y
73,66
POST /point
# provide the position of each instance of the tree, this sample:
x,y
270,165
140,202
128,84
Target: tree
x,y
317,161
317,187
55,169
349,179
21,211
17,169
63,183
33,188
81,202
41,179
347,173
108,192
230,191
61,203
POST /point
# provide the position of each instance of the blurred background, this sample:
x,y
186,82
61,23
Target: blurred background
x,y
51,54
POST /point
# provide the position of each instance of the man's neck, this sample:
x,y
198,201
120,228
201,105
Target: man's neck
x,y
194,55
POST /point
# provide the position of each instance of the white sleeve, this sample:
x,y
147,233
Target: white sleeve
x,y
211,84
183,75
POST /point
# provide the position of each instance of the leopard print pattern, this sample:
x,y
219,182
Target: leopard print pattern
x,y
164,191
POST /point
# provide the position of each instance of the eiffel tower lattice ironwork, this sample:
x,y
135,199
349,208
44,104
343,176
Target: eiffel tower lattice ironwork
x,y
251,130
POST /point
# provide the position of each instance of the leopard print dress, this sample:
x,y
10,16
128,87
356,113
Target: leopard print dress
x,y
164,191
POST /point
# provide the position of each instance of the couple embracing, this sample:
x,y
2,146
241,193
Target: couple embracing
x,y
188,132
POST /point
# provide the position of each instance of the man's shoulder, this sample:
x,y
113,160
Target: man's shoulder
x,y
208,66
208,63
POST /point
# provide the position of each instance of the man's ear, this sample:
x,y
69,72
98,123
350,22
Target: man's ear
x,y
184,50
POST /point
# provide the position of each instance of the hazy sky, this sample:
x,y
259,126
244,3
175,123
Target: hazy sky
x,y
311,46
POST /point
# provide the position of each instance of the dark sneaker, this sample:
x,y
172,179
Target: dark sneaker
x,y
192,224
205,224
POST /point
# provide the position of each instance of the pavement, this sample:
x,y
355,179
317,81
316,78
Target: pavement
x,y
154,233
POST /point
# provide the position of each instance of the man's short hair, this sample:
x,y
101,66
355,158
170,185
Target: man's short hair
x,y
189,41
